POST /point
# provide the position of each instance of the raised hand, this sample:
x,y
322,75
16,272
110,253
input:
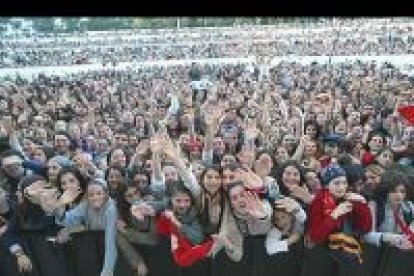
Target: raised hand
x,y
170,215
254,205
120,224
289,204
156,143
69,196
142,147
354,197
136,211
342,209
301,192
250,179
251,130
141,211
169,148
48,199
213,115
63,236
24,264
142,269
304,139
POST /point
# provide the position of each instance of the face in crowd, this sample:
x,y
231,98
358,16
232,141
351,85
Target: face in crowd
x,y
96,196
181,203
12,166
61,144
237,199
338,187
291,177
211,181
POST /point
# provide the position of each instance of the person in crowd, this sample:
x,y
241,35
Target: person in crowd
x,y
392,214
292,182
283,239
96,213
34,228
250,138
336,217
373,175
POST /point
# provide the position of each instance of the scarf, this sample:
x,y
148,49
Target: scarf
x,y
404,226
230,229
191,228
211,211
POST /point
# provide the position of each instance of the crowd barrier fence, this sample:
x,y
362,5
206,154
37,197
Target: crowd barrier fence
x,y
83,256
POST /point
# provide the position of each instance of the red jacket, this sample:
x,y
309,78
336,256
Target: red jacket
x,y
186,254
367,159
321,224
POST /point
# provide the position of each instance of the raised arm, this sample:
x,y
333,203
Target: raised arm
x,y
188,177
212,118
157,177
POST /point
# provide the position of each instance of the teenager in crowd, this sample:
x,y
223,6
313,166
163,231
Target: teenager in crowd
x,y
35,230
336,218
292,182
96,213
393,227
246,220
283,240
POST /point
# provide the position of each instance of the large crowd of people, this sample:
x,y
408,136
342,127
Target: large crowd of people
x,y
296,169
344,39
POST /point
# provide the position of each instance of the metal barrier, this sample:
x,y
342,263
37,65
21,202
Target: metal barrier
x,y
85,252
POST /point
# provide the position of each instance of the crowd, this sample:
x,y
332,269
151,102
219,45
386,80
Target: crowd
x,y
290,170
345,39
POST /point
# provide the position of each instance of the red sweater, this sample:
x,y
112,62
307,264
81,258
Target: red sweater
x,y
186,254
321,224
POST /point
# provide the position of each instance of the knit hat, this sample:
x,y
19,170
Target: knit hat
x,y
331,172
